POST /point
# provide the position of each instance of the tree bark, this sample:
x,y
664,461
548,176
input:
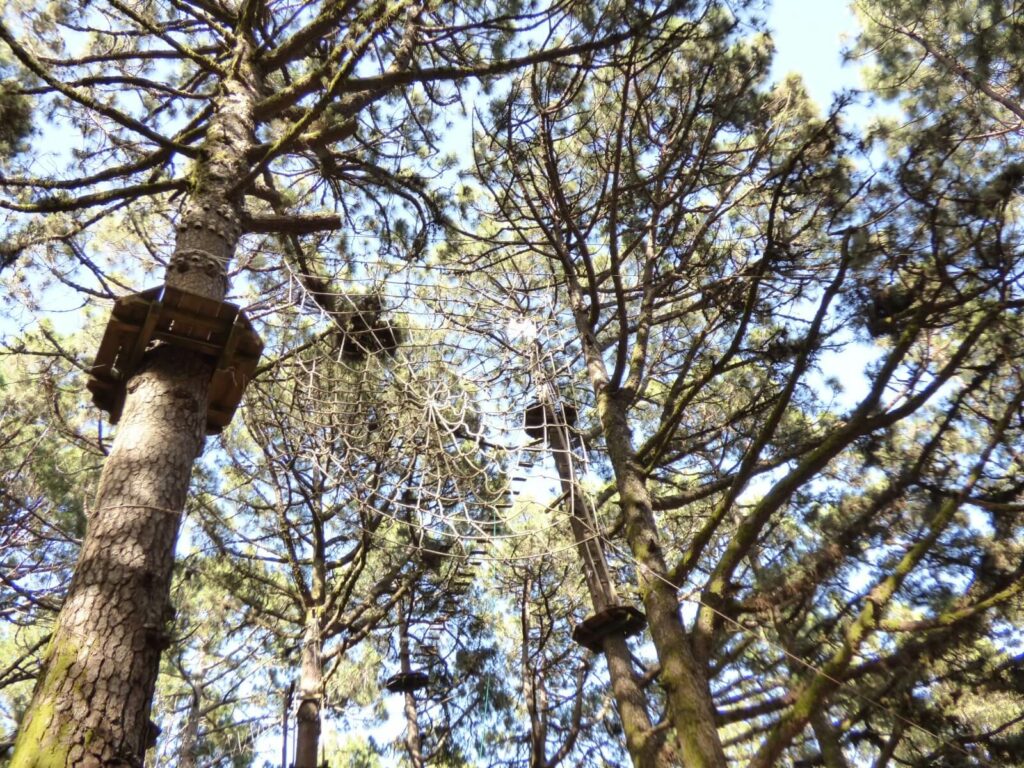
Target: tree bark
x,y
531,683
92,700
190,735
286,710
647,749
307,736
413,738
689,701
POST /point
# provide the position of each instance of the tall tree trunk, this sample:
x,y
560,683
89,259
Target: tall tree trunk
x,y
647,748
413,738
307,736
311,680
92,700
689,701
190,735
286,711
532,681
690,708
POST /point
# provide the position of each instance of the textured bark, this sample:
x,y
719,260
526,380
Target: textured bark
x,y
646,747
91,704
307,737
413,739
190,734
689,701
690,709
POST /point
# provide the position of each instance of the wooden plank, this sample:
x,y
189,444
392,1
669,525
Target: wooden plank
x,y
188,323
184,320
617,619
143,337
211,348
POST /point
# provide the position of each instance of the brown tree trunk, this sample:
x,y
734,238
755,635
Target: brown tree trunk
x,y
307,735
413,739
93,696
286,711
647,748
689,701
190,735
531,684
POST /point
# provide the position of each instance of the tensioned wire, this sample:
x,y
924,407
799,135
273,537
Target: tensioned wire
x,y
762,637
626,556
595,535
480,534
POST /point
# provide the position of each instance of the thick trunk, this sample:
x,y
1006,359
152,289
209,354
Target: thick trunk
x,y
307,735
92,700
689,702
91,704
647,749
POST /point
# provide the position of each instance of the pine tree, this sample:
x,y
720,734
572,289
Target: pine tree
x,y
705,248
236,93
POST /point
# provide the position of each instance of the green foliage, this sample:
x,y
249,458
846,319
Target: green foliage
x,y
817,369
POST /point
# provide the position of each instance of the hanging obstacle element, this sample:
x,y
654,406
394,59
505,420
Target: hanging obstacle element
x,y
171,316
407,682
538,419
552,420
615,619
364,331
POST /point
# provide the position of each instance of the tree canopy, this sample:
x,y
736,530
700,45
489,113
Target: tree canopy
x,y
618,404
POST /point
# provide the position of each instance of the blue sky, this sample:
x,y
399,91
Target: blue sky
x,y
809,38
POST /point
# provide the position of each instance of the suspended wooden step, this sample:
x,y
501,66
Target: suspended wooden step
x,y
538,419
407,682
623,620
217,329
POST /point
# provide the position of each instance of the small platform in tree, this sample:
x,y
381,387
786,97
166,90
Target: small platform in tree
x,y
538,419
623,620
169,315
407,682
365,331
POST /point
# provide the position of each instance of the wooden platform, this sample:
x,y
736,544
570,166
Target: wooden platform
x,y
624,620
538,419
172,316
364,330
407,682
